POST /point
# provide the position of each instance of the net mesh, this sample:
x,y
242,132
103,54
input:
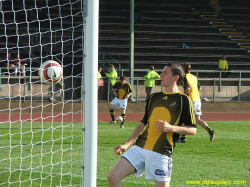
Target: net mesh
x,y
40,124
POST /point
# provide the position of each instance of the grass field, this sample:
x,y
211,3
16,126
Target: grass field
x,y
43,158
198,160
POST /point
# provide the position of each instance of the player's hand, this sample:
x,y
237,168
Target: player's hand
x,y
162,126
120,149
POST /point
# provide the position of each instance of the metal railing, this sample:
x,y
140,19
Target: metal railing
x,y
114,61
215,89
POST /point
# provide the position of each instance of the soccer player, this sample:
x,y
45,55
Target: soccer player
x,y
122,90
149,83
193,92
157,133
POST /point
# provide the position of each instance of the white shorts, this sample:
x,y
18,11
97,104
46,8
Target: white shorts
x,y
197,107
121,102
157,167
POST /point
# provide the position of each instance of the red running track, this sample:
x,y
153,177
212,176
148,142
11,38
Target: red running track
x,y
105,117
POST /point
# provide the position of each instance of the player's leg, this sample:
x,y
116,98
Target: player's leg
x,y
206,126
121,169
123,114
132,162
198,113
158,167
161,184
112,111
201,122
123,105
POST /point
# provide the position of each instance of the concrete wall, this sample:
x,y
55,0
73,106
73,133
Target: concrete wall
x,y
227,93
19,90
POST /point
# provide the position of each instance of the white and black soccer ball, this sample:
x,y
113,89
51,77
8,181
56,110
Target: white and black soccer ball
x,y
50,72
119,119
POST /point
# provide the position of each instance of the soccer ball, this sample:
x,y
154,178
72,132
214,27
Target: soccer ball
x,y
119,119
50,72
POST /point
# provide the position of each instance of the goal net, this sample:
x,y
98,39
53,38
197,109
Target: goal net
x,y
41,124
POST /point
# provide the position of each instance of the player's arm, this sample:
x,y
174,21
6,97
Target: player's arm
x,y
186,90
111,74
128,95
199,86
187,117
163,126
148,75
226,65
185,86
129,92
133,137
157,76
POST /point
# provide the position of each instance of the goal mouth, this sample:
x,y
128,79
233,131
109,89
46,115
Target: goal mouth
x,y
41,113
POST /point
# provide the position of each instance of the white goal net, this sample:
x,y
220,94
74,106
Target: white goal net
x,y
41,124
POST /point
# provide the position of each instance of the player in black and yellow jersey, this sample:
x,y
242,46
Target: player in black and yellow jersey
x,y
192,90
156,135
122,90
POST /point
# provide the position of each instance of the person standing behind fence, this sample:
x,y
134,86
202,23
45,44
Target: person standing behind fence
x,y
19,65
193,93
112,76
223,66
149,83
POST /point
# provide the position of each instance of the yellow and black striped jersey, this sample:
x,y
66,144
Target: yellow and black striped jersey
x,y
122,89
174,108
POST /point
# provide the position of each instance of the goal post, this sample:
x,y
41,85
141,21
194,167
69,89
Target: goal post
x,y
91,92
48,132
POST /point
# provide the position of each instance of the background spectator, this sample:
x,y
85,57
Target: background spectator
x,y
112,76
223,66
19,65
149,83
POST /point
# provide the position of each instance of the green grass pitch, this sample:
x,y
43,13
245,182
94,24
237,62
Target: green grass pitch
x,y
196,163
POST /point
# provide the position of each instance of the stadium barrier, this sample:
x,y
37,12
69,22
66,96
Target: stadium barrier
x,y
30,87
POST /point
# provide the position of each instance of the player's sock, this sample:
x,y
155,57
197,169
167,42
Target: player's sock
x,y
183,136
208,129
112,114
123,117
